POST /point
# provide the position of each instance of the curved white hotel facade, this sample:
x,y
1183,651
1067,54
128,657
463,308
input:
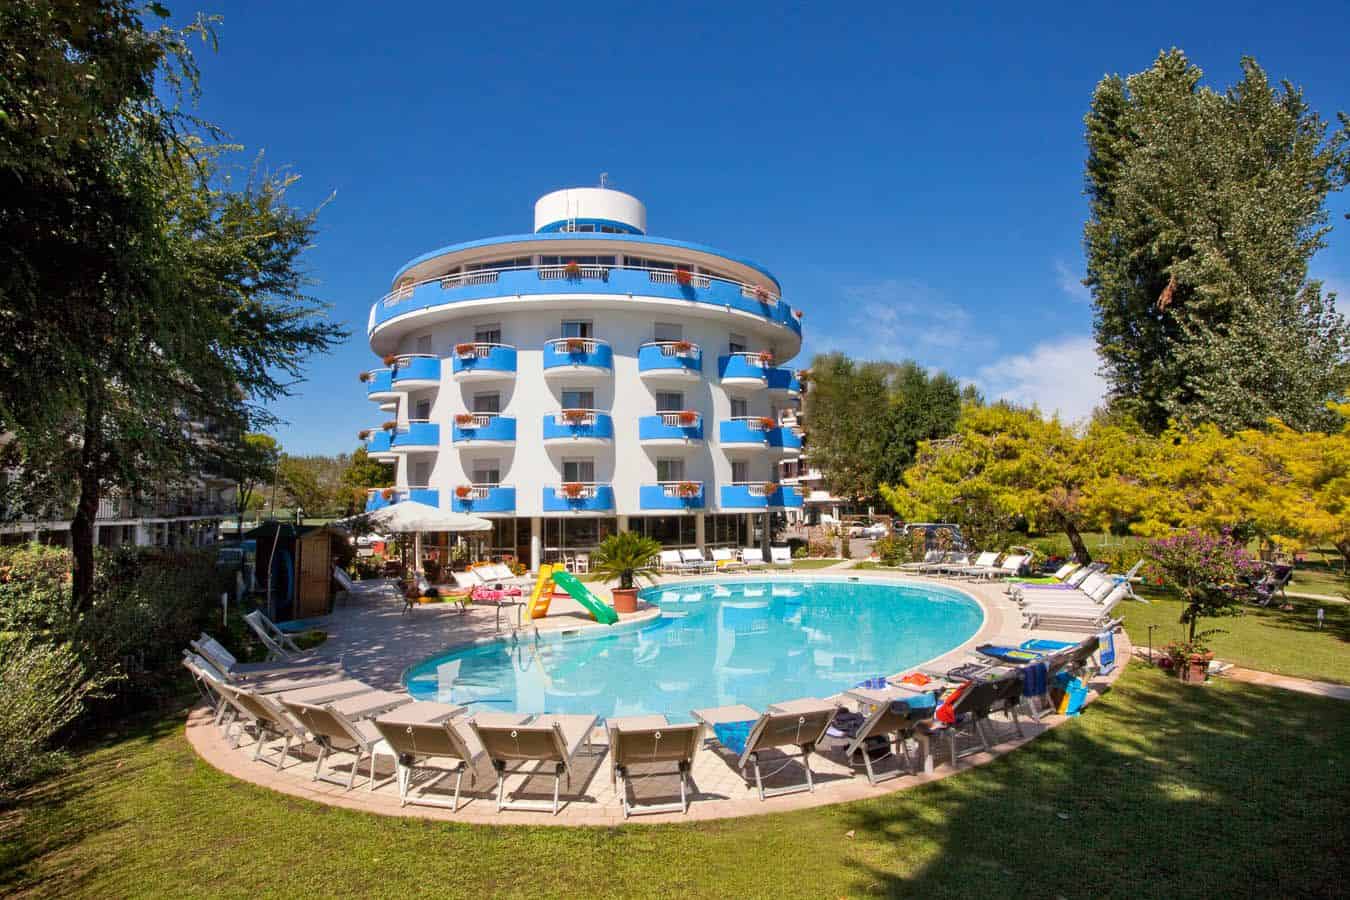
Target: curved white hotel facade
x,y
584,379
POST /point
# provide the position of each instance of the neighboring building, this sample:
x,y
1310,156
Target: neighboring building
x,y
188,516
587,378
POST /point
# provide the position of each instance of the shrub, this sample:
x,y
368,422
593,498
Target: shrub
x,y
34,589
1209,571
44,687
893,551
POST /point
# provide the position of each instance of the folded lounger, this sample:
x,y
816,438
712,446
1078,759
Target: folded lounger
x,y
367,587
796,723
270,720
887,711
780,557
638,740
695,561
955,562
1094,587
280,646
1010,566
724,560
339,724
753,557
509,738
231,670
211,685
984,561
422,732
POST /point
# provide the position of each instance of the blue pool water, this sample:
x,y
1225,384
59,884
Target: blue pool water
x,y
714,644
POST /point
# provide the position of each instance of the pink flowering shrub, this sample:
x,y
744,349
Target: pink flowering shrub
x,y
1210,571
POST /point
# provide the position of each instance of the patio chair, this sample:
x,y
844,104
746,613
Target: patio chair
x,y
747,733
780,557
752,557
231,670
422,732
270,720
694,560
672,563
1011,565
225,712
964,712
338,725
893,717
725,560
509,738
280,646
642,740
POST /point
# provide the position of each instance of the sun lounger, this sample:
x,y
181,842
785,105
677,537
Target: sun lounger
x,y
891,714
931,558
513,738
231,670
279,644
780,557
226,713
338,725
1093,617
422,732
747,733
724,560
954,563
367,587
753,557
965,712
695,561
672,563
642,740
271,720
1011,565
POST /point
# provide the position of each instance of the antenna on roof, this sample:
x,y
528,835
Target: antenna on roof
x,y
604,179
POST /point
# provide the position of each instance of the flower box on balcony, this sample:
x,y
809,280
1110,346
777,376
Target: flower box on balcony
x,y
464,491
762,294
572,490
572,270
766,422
466,420
688,417
389,426
688,489
465,350
575,416
363,434
797,313
387,493
683,277
765,358
684,347
365,377
771,488
576,345
390,359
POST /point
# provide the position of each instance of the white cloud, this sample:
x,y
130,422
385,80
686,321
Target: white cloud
x,y
1058,376
1071,283
898,319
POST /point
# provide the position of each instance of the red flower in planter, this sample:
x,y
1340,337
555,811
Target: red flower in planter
x,y
771,487
390,359
688,488
572,270
688,417
390,425
683,277
765,358
363,434
762,294
572,489
766,422
365,377
387,493
683,346
466,349
466,419
576,345
574,415
463,491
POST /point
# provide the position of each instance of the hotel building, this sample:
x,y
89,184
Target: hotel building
x,y
587,378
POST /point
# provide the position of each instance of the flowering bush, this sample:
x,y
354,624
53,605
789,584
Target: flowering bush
x,y
1208,570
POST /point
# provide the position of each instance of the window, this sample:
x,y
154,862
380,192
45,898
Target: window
x,y
739,408
577,329
740,471
573,398
421,473
579,260
487,471
490,402
642,262
515,262
669,401
422,410
667,331
670,470
488,334
424,343
582,470
736,343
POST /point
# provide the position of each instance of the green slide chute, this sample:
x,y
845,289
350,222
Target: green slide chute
x,y
604,614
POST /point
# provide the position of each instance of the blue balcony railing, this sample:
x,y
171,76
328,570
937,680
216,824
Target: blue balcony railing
x,y
666,427
671,495
488,284
787,497
417,368
671,357
784,438
582,498
742,367
379,442
485,360
785,380
581,424
379,381
417,436
429,496
484,498
485,427
744,496
745,430
375,499
572,353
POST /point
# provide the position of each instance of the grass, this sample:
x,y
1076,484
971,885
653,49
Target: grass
x,y
1160,789
1322,580
814,563
1273,640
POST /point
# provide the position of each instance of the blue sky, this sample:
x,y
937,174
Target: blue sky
x,y
913,178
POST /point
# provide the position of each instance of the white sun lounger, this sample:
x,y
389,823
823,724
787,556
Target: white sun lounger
x,y
781,557
279,644
753,557
672,562
514,738
931,558
725,561
422,732
1091,616
694,559
641,740
883,719
270,719
795,723
231,670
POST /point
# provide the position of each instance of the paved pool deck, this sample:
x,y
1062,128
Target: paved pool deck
x,y
377,641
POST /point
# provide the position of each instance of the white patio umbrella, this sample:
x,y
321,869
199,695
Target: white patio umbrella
x,y
411,517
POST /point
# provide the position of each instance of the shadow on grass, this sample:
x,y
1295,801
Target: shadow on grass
x,y
1174,791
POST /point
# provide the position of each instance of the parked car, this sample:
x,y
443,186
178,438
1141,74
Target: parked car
x,y
874,531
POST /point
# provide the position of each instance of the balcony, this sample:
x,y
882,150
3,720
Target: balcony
x,y
764,495
484,362
671,429
785,439
782,380
745,432
744,370
660,361
429,496
378,443
484,499
379,498
484,430
379,385
418,370
577,356
579,497
376,499
580,427
671,496
418,436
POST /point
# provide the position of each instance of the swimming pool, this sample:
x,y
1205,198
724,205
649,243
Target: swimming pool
x,y
752,642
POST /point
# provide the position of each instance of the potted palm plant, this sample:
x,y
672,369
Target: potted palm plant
x,y
626,558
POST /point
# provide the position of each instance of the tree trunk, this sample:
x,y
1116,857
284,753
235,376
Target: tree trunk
x,y
86,513
1344,548
1080,549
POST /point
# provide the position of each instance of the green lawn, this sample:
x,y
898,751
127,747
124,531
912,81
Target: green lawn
x,y
1320,579
814,563
1272,640
1159,789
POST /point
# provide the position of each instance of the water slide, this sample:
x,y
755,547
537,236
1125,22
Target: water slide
x,y
549,576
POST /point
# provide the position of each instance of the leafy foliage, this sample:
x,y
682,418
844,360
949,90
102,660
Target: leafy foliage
x,y
626,557
362,473
1209,571
1205,210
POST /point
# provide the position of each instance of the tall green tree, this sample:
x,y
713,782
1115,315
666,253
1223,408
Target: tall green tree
x,y
361,474
149,308
1205,208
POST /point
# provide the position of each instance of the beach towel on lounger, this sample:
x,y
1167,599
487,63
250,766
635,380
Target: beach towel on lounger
x,y
733,735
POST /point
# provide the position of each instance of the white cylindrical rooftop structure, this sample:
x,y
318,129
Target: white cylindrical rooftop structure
x,y
589,206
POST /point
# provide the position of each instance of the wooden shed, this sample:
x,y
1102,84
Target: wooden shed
x,y
294,569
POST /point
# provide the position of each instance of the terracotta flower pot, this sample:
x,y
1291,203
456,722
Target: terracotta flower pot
x,y
1194,669
625,600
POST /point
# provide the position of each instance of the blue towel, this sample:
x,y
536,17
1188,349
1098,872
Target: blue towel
x,y
1034,680
876,683
1106,652
919,703
1050,646
733,735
